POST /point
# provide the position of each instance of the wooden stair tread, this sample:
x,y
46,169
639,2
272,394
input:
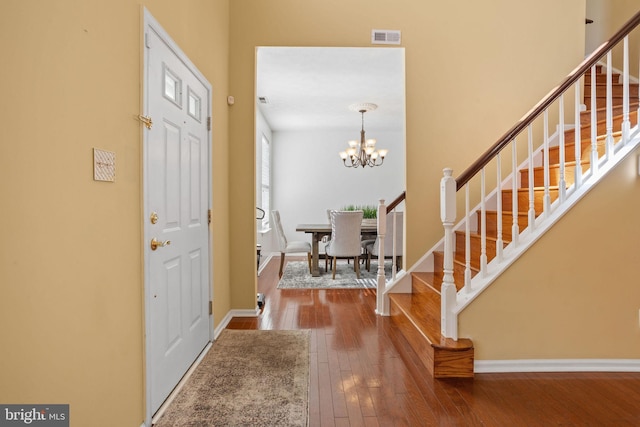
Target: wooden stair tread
x,y
455,261
557,165
416,308
427,278
478,235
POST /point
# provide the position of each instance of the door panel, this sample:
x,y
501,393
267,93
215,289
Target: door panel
x,y
177,190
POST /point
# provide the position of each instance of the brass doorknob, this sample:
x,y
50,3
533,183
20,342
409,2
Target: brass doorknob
x,y
155,244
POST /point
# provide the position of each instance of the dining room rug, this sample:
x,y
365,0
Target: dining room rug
x,y
248,378
296,276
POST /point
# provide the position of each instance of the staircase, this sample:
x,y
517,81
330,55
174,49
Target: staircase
x,y
418,314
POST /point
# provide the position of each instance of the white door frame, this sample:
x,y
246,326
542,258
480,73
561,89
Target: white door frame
x,y
149,22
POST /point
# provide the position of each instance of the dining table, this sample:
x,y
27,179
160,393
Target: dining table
x,y
319,230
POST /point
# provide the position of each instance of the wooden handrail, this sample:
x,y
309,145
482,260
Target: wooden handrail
x,y
573,77
397,201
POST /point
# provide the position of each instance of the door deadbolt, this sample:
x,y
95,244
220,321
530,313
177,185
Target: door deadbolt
x,y
155,244
153,218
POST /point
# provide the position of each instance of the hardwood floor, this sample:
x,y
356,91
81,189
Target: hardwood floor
x,y
358,377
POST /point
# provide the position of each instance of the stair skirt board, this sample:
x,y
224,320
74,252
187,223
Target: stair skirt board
x,y
557,365
545,221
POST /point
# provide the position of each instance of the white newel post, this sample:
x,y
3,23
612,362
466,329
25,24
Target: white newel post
x,y
448,292
382,306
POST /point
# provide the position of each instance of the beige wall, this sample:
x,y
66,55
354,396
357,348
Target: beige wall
x,y
71,260
71,277
471,73
608,17
622,11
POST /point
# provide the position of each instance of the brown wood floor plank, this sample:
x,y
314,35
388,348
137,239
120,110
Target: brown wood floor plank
x,y
359,377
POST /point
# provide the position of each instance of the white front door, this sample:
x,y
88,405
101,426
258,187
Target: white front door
x,y
176,213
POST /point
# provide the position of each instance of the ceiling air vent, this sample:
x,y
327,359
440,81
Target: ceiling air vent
x,y
385,36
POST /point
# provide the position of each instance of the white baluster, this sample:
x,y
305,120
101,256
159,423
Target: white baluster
x,y
483,226
532,204
609,140
515,228
393,245
448,294
562,184
626,124
467,243
545,148
594,124
577,139
499,239
381,301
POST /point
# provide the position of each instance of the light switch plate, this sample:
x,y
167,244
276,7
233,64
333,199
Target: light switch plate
x,y
104,165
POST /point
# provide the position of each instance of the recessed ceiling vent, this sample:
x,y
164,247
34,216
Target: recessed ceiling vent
x,y
385,37
263,100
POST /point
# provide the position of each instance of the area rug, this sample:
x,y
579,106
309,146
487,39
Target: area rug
x,y
296,276
248,378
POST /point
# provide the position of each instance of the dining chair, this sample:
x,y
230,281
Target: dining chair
x,y
373,247
287,247
345,238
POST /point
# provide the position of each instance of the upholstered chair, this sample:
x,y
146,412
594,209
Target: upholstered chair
x,y
287,247
345,238
373,247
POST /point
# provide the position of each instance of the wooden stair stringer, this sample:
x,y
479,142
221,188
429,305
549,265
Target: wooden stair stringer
x,y
417,315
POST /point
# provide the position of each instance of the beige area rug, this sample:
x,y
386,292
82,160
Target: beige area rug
x,y
248,378
296,276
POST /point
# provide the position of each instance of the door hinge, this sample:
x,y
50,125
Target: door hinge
x,y
209,123
209,216
146,120
147,43
210,308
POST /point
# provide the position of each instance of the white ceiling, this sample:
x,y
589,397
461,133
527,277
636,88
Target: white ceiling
x,y
313,87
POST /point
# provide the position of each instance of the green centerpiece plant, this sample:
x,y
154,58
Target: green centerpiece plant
x,y
369,211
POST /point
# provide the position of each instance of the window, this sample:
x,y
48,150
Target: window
x,y
265,180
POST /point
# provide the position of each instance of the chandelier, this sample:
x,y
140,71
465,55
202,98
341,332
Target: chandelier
x,y
362,153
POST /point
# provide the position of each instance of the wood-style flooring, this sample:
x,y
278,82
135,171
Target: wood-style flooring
x,y
358,377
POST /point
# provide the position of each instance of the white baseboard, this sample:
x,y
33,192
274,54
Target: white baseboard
x,y
557,365
233,313
264,263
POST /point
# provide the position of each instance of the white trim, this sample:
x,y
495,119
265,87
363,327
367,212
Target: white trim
x,y
223,324
245,313
264,263
557,365
149,22
231,314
